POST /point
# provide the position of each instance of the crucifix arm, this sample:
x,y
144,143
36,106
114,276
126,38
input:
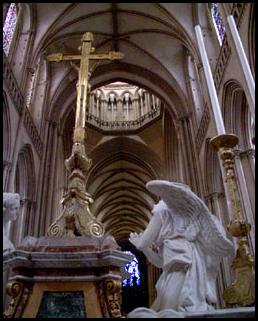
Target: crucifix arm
x,y
112,55
57,57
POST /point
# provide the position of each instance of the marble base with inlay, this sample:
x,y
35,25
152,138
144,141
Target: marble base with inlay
x,y
51,270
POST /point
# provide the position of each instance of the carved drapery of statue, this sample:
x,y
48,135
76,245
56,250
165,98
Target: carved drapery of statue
x,y
187,242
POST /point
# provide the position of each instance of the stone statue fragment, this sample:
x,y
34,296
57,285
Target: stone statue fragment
x,y
11,205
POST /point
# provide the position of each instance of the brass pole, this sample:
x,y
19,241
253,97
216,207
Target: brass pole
x,y
241,291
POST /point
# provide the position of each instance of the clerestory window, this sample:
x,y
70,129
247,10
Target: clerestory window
x,y
9,27
217,21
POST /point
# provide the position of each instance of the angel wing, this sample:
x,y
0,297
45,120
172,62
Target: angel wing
x,y
181,200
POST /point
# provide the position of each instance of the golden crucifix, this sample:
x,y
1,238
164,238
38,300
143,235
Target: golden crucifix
x,y
86,54
76,218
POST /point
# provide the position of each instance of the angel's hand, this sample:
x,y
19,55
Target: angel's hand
x,y
135,239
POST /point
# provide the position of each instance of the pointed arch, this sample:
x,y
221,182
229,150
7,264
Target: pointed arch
x,y
236,113
25,185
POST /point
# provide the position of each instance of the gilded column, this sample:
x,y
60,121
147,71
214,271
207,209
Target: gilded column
x,y
241,291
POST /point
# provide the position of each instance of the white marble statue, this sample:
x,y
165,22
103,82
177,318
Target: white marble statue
x,y
187,242
11,205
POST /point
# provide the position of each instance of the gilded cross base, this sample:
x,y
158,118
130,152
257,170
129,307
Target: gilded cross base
x,y
76,218
241,291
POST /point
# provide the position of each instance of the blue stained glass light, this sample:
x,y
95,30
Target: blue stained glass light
x,y
218,21
132,268
9,27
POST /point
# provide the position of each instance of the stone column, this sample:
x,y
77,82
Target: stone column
x,y
210,83
170,145
127,108
15,152
104,108
245,199
153,102
141,103
6,172
139,107
244,65
47,192
189,156
101,111
91,107
26,223
148,102
135,108
97,105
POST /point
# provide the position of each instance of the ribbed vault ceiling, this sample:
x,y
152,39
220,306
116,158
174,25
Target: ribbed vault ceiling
x,y
154,38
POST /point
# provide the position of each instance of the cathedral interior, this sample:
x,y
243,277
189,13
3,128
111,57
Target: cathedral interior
x,y
149,116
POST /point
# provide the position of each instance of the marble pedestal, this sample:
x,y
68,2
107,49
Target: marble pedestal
x,y
65,277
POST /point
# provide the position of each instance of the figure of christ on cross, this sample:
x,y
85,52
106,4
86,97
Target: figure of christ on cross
x,y
86,54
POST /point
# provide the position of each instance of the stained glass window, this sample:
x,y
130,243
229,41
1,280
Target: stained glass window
x,y
217,20
132,268
9,27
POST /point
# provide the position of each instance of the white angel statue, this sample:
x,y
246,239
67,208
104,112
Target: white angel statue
x,y
187,242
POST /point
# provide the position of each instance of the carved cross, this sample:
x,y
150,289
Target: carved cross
x,y
86,54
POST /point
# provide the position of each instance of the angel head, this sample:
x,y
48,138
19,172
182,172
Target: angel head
x,y
11,205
